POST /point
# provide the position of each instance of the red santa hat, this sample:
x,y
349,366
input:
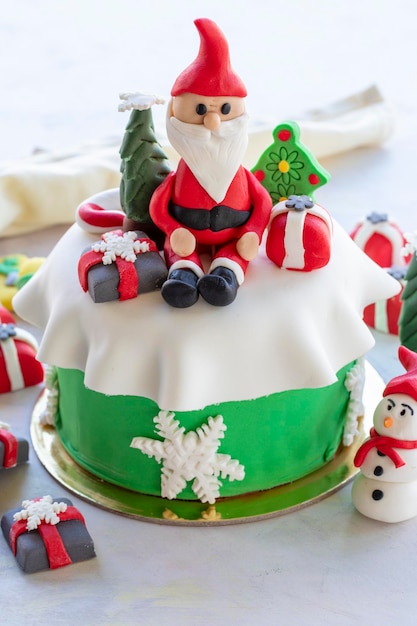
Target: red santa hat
x,y
211,73
405,383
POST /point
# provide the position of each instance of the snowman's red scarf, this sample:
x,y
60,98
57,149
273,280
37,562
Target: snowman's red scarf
x,y
385,445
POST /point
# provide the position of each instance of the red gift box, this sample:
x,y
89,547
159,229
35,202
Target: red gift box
x,y
19,367
5,316
381,239
299,235
384,315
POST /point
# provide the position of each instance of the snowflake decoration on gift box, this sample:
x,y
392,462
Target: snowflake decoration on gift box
x,y
377,218
117,244
7,331
192,455
299,203
40,510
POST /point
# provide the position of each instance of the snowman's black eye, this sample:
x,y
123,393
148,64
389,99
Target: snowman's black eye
x,y
201,109
226,108
390,404
406,409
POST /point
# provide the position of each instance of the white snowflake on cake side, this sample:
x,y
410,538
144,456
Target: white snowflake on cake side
x,y
190,456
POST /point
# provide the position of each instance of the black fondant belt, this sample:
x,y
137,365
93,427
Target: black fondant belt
x,y
215,219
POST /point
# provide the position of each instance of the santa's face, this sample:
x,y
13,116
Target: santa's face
x,y
192,108
396,416
213,152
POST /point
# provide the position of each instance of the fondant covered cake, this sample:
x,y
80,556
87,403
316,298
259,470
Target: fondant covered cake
x,y
265,380
246,371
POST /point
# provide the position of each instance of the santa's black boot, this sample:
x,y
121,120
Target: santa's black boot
x,y
218,288
180,290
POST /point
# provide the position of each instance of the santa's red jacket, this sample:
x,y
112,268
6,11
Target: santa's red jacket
x,y
181,202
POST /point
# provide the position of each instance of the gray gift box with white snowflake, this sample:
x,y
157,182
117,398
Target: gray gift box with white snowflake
x,y
125,265
46,534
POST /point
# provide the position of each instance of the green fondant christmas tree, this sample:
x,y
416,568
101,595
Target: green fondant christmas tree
x,y
288,167
408,317
144,164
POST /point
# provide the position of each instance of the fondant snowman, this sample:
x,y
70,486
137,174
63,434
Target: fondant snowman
x,y
386,488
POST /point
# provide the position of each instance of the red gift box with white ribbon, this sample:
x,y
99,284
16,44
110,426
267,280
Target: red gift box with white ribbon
x,y
19,366
384,315
299,235
381,239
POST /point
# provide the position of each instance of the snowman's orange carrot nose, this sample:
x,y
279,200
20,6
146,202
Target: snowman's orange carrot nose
x,y
388,422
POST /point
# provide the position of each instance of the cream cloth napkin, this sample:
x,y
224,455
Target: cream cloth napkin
x,y
46,189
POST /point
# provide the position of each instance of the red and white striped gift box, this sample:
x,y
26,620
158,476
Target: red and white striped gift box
x,y
381,239
19,367
299,235
385,314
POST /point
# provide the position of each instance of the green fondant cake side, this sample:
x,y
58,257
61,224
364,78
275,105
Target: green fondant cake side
x,y
277,438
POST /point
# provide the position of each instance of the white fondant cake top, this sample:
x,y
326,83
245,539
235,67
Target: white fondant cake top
x,y
285,330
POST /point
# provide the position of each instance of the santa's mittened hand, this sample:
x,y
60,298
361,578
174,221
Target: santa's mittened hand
x,y
182,242
248,246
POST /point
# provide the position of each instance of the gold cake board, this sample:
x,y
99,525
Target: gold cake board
x,y
238,509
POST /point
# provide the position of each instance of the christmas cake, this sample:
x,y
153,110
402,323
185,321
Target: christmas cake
x,y
245,370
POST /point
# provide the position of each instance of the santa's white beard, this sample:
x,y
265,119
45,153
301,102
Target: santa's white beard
x,y
213,157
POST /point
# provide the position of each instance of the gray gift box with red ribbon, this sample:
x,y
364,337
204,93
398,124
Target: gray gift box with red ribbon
x,y
121,266
13,450
51,544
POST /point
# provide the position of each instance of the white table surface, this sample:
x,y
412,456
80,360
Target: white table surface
x,y
324,564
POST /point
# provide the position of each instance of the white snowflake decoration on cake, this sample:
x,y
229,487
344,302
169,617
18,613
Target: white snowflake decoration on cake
x,y
40,510
354,382
124,246
50,412
192,455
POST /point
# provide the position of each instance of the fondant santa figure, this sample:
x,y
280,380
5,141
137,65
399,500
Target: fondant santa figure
x,y
211,203
386,488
